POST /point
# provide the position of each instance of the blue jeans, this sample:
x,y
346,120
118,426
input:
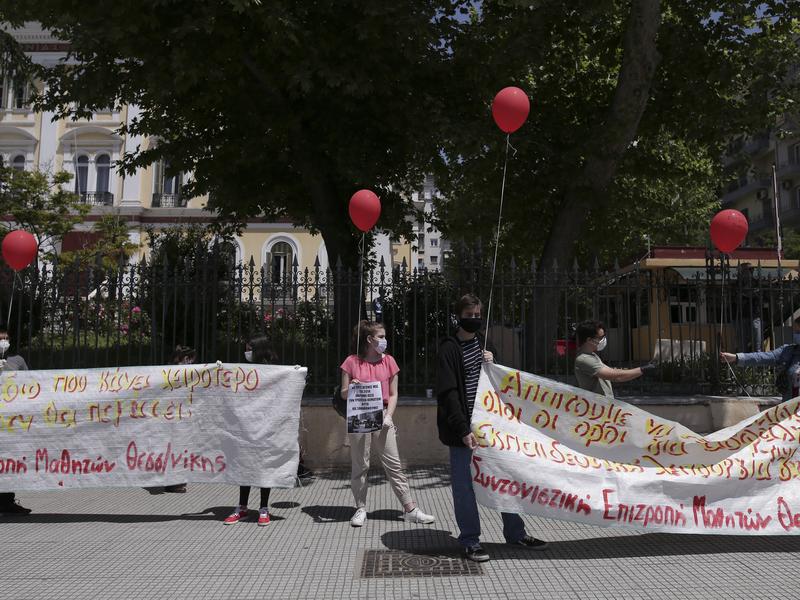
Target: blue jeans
x,y
466,508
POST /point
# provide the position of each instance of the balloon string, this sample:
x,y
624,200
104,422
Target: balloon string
x,y
721,317
11,302
496,244
360,294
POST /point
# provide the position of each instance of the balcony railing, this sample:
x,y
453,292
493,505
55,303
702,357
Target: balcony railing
x,y
98,198
161,200
751,187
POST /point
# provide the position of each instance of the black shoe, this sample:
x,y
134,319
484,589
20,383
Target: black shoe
x,y
476,553
530,542
14,510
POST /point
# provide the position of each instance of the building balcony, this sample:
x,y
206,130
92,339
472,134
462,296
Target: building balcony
x,y
747,189
97,198
161,200
790,171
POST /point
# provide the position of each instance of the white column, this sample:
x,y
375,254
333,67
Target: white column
x,y
48,142
91,177
132,184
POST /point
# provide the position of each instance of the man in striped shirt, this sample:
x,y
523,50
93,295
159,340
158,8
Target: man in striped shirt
x,y
459,368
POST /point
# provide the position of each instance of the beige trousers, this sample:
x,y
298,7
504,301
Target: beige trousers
x,y
385,441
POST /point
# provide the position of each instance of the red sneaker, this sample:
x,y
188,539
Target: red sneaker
x,y
263,517
239,515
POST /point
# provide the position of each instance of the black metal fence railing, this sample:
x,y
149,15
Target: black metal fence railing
x,y
164,200
98,198
82,315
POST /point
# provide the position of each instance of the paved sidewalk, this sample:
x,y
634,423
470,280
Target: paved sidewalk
x,y
128,543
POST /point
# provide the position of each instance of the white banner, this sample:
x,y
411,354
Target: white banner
x,y
150,426
561,452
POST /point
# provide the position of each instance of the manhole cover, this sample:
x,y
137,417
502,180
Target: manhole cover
x,y
396,563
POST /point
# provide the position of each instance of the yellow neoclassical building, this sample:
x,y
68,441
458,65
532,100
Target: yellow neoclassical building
x,y
150,199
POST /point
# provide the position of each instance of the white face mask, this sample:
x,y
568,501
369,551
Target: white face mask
x,y
248,355
602,345
381,345
4,346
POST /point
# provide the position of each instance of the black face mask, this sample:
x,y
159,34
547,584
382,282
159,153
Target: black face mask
x,y
470,325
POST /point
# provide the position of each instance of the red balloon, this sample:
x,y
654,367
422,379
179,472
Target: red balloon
x,y
19,249
365,208
728,230
510,109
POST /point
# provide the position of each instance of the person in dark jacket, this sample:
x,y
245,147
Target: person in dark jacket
x,y
459,366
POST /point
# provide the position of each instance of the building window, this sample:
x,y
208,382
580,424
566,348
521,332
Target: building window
x,y
434,242
794,154
103,167
434,260
279,261
22,91
82,175
14,93
167,192
18,163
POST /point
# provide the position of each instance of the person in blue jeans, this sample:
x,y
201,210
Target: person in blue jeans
x,y
459,366
786,358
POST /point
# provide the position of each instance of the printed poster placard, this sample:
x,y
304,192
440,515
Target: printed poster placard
x,y
364,407
557,451
150,426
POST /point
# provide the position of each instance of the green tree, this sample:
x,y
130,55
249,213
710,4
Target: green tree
x,y
633,103
110,249
278,109
38,203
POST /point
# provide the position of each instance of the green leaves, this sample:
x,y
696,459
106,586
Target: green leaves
x,y
39,204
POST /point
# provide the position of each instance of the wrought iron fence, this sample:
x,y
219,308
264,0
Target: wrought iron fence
x,y
86,315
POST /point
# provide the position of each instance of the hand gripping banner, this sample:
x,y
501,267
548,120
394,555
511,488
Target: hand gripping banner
x,y
557,451
150,426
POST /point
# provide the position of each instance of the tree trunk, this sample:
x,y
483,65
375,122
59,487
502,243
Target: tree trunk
x,y
606,146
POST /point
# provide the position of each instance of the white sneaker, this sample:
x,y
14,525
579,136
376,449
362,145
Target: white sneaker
x,y
417,516
359,518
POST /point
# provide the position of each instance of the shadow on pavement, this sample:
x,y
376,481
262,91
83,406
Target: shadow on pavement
x,y
422,540
385,514
215,513
652,544
426,541
329,514
342,514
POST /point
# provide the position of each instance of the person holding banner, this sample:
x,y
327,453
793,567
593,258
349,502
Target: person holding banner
x,y
10,362
459,367
370,363
257,350
785,359
183,355
591,372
